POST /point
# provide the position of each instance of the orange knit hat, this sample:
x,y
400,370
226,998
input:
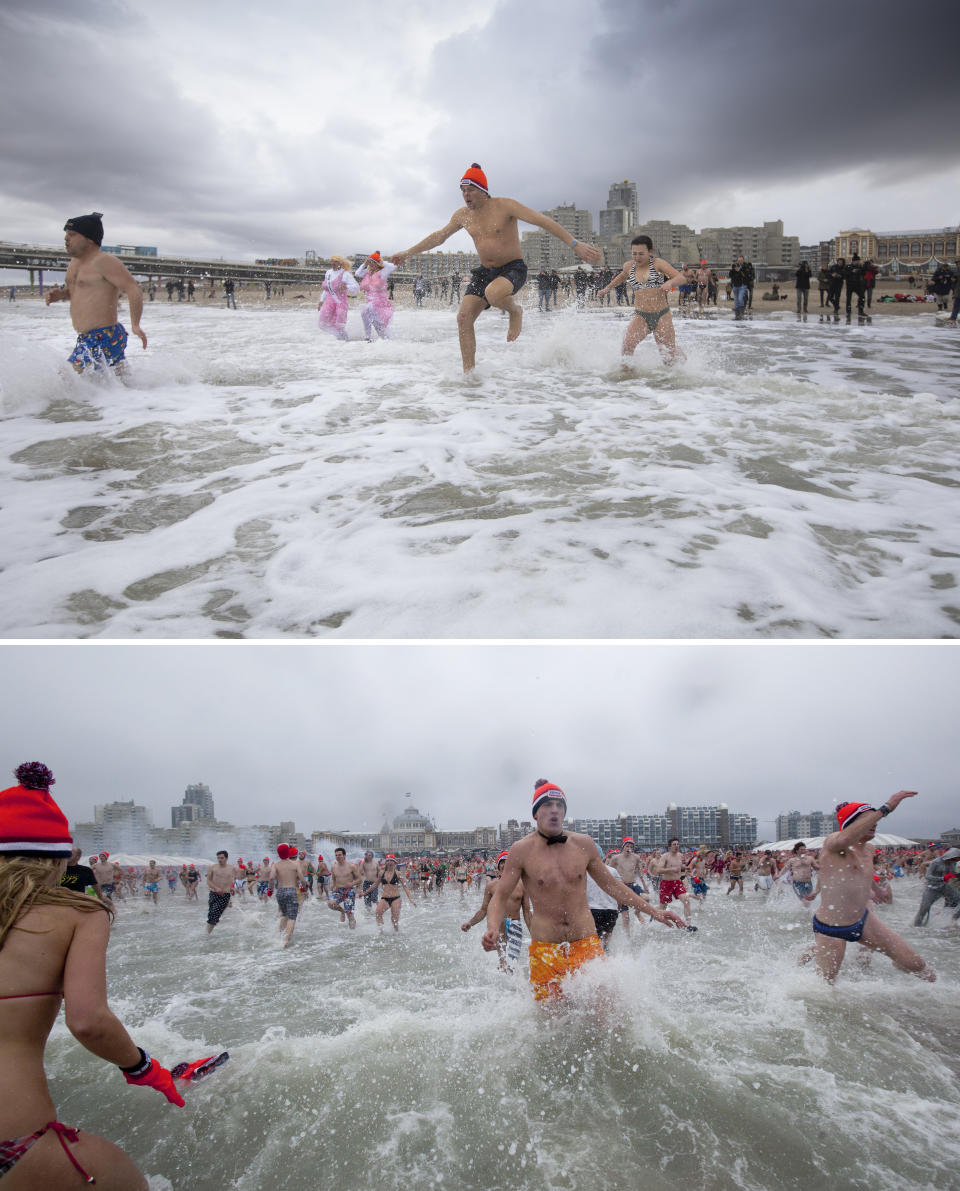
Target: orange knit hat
x,y
476,177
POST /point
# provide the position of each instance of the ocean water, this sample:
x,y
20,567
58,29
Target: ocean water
x,y
708,1061
257,479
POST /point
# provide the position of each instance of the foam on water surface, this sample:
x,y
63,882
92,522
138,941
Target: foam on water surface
x,y
254,478
710,1061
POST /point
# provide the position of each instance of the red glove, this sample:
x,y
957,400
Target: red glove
x,y
150,1074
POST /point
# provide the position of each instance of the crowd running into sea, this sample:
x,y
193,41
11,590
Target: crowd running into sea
x,y
55,916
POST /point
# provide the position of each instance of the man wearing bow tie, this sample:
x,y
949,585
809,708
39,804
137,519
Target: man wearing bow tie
x,y
553,866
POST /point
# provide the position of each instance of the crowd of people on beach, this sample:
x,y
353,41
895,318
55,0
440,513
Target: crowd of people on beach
x,y
55,916
95,280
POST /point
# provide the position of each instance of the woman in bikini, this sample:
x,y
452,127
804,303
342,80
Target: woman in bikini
x,y
651,279
390,883
53,944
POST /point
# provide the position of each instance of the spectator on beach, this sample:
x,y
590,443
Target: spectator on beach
x,y
419,289
580,279
853,276
455,282
942,285
703,286
544,290
837,272
823,281
803,286
956,295
870,274
751,282
713,290
940,880
738,280
228,287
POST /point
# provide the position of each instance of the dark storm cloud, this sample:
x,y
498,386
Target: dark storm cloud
x,y
697,97
782,88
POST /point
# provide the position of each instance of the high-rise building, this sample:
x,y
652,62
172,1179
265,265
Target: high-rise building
x,y
624,194
541,250
812,824
199,795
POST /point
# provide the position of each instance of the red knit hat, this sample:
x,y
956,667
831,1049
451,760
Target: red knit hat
x,y
848,811
374,256
476,177
283,851
544,790
628,839
502,856
31,824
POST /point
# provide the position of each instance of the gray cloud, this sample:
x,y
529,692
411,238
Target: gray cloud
x,y
238,130
330,736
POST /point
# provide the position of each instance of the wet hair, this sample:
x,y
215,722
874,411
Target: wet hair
x,y
34,776
642,240
672,839
336,850
223,852
798,845
24,884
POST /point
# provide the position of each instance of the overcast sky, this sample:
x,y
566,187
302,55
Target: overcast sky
x,y
247,129
332,736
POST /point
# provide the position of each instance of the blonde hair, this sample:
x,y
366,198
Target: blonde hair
x,y
25,883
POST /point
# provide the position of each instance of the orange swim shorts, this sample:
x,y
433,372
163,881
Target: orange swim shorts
x,y
551,962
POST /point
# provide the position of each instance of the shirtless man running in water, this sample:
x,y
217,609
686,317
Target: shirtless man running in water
x,y
846,882
92,285
492,224
511,932
553,866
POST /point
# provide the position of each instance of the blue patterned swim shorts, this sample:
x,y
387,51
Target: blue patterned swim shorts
x,y
101,348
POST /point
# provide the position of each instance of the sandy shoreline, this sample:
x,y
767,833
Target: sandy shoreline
x,y
253,297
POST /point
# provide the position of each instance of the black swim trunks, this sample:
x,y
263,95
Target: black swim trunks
x,y
514,271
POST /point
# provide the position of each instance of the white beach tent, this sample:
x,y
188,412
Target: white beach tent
x,y
815,842
134,860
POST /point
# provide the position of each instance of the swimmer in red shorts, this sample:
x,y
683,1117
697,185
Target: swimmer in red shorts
x,y
670,868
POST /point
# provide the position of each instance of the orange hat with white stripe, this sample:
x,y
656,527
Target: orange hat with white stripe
x,y
475,176
848,811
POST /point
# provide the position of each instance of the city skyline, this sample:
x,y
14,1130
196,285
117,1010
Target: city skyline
x,y
748,133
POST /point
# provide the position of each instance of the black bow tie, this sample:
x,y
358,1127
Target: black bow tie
x,y
553,839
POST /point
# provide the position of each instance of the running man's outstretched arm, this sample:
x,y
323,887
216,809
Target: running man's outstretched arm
x,y
586,252
433,240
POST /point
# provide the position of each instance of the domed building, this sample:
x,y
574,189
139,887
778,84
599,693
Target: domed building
x,y
411,832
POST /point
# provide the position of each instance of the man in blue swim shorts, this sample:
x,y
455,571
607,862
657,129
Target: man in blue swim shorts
x,y
846,882
345,877
492,224
92,286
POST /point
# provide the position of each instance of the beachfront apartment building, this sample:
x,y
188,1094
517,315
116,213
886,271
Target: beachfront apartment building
x,y
797,824
541,250
431,266
901,252
715,826
767,246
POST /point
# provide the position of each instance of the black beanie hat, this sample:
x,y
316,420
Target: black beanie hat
x,y
90,226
